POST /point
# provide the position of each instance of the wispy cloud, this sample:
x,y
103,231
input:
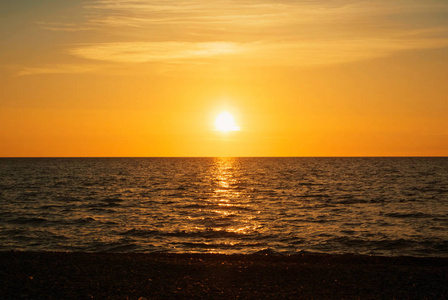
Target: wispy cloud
x,y
286,53
298,33
59,26
53,69
326,52
138,52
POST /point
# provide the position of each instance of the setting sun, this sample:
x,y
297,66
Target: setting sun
x,y
225,122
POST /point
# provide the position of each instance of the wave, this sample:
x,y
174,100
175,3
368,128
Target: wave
x,y
141,233
111,247
81,221
194,245
416,215
28,220
217,206
208,233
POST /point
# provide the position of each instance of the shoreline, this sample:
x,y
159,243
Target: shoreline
x,y
78,275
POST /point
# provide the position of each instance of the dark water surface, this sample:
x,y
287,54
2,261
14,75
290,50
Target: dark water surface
x,y
381,206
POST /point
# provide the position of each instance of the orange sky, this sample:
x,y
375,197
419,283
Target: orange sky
x,y
148,78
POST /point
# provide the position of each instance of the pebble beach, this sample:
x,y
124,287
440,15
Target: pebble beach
x,y
57,275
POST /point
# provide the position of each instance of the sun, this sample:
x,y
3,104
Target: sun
x,y
224,122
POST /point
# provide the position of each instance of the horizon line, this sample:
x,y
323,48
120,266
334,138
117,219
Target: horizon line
x,y
286,156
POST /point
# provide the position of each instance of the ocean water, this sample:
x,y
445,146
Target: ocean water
x,y
377,206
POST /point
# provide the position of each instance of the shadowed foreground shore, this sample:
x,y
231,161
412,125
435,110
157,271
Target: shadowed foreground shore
x,y
34,275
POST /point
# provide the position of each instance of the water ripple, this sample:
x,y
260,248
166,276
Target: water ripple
x,y
386,206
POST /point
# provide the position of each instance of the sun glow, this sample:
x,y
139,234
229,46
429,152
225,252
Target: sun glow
x,y
224,122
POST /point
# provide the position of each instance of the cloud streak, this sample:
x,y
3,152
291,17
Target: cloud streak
x,y
140,52
303,53
53,69
296,33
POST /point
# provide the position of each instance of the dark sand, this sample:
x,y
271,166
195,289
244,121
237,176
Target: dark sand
x,y
30,275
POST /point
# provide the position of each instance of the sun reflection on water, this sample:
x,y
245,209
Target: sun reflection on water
x,y
234,206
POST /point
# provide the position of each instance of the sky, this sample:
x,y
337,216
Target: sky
x,y
148,78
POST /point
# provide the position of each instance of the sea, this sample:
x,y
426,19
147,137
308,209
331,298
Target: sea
x,y
374,206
